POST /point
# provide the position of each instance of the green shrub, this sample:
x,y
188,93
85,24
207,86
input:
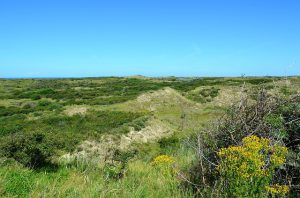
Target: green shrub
x,y
286,91
277,119
204,95
169,142
12,124
116,169
30,150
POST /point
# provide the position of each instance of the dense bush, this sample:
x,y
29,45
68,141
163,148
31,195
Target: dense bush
x,y
30,150
276,119
247,170
204,95
169,142
12,124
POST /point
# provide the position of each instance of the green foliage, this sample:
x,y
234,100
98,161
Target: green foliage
x,y
18,183
35,94
276,121
258,81
41,105
12,110
113,171
34,146
12,124
28,149
290,113
204,95
138,123
111,90
168,143
116,169
287,91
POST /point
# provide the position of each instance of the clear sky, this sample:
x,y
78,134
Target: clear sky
x,y
74,38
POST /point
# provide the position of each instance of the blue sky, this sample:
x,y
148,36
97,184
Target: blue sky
x,y
72,38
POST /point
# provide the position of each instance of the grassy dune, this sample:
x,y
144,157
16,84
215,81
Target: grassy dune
x,y
97,137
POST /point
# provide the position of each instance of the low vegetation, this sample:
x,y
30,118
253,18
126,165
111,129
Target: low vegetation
x,y
150,137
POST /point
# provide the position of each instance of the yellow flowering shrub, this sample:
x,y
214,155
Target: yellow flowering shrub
x,y
163,160
164,163
247,170
279,190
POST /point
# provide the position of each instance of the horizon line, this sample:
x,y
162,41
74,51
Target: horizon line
x,y
137,76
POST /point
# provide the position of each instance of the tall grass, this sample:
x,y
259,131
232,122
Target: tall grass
x,y
141,179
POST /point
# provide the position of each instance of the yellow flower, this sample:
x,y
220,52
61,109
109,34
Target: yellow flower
x,y
277,160
247,162
244,165
278,189
163,159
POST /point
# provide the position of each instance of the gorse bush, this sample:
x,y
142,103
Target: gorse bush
x,y
247,170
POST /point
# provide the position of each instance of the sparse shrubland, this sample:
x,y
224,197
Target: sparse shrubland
x,y
149,137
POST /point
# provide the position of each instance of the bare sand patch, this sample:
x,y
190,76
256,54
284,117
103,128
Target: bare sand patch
x,y
74,110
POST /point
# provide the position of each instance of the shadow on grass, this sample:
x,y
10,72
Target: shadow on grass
x,y
46,167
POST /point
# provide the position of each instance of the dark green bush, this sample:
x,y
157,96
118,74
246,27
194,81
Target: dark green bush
x,y
169,142
12,124
30,150
204,95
